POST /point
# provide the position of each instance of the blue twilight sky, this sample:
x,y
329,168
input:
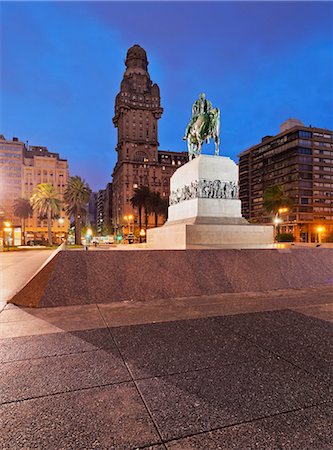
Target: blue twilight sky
x,y
260,62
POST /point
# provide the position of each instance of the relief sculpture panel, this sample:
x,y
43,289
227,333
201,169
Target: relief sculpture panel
x,y
215,189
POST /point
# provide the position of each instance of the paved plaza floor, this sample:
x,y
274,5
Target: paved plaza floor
x,y
230,371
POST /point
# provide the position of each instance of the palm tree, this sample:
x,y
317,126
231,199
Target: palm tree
x,y
275,199
163,208
46,202
139,201
153,205
23,210
76,196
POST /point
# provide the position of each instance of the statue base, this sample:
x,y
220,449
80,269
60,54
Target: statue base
x,y
205,210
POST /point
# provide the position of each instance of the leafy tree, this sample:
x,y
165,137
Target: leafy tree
x,y
275,198
140,201
45,200
23,210
76,196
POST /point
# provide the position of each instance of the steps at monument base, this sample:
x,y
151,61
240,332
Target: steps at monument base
x,y
77,277
185,235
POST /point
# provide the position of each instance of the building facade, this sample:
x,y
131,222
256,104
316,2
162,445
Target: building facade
x,y
42,166
11,163
22,168
300,159
139,161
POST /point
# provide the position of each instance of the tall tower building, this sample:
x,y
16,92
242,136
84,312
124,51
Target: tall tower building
x,y
139,162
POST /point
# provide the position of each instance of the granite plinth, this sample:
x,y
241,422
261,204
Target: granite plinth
x,y
205,186
205,210
229,235
104,277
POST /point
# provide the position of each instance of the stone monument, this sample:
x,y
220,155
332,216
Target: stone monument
x,y
204,208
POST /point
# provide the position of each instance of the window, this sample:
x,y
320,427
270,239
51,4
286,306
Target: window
x,y
305,134
305,151
140,157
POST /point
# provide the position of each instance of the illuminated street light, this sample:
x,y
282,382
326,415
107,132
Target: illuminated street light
x,y
283,210
89,232
320,230
61,220
7,231
128,218
142,233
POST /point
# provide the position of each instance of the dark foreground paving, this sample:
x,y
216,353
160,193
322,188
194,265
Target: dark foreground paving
x,y
257,380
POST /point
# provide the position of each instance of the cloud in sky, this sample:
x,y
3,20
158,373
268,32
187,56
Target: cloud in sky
x,y
260,62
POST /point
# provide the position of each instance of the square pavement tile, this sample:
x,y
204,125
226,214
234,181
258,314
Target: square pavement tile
x,y
306,429
54,344
45,376
112,417
199,401
165,348
302,340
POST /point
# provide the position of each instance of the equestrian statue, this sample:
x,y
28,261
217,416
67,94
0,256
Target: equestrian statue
x,y
204,125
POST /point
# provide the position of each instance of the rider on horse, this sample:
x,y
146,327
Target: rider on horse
x,y
204,124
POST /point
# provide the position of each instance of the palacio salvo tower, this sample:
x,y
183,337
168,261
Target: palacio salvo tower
x,y
139,162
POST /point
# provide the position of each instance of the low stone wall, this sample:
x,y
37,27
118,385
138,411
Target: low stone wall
x,y
77,277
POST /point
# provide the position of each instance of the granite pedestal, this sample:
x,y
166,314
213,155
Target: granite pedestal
x,y
205,210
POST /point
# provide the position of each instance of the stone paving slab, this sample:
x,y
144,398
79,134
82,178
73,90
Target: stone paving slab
x,y
44,376
323,312
306,429
165,348
244,382
199,401
112,417
26,328
302,340
54,344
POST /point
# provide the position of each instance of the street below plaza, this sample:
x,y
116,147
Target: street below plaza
x,y
16,268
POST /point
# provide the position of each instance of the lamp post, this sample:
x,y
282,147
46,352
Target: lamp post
x,y
89,235
142,233
277,220
7,230
320,230
128,219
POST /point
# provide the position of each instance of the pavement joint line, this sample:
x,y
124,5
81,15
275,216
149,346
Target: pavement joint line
x,y
54,356
150,445
36,397
131,375
246,421
279,356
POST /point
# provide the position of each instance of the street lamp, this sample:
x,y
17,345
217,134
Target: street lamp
x,y
320,230
61,220
128,219
142,233
7,230
277,220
